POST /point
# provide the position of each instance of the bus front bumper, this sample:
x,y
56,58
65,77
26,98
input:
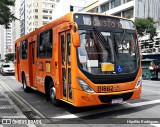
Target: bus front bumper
x,y
90,99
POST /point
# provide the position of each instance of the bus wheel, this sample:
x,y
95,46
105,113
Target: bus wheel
x,y
52,95
25,87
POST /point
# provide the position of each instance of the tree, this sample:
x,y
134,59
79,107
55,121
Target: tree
x,y
9,57
5,13
146,26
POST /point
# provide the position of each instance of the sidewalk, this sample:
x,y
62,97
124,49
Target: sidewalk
x,y
14,112
8,108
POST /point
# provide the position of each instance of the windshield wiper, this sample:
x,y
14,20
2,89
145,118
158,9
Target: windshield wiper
x,y
124,32
103,41
115,45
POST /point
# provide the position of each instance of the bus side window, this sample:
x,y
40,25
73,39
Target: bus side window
x,y
69,48
63,49
45,44
24,49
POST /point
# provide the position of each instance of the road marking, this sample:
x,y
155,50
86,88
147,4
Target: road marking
x,y
155,125
123,106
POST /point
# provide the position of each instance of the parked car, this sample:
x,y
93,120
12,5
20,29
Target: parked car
x,y
150,68
1,62
7,68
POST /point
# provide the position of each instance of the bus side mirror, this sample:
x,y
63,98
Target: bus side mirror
x,y
75,36
76,39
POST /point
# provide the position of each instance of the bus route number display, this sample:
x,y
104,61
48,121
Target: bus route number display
x,y
87,21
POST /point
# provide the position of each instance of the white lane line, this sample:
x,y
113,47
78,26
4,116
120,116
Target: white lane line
x,y
123,106
155,125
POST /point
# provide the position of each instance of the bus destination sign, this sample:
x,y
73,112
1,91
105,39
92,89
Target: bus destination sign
x,y
103,21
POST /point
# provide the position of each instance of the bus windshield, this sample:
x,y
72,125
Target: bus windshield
x,y
103,52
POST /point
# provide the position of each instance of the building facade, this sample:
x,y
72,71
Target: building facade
x,y
35,13
32,14
6,43
16,23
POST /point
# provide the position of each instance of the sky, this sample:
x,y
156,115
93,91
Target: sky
x,y
63,6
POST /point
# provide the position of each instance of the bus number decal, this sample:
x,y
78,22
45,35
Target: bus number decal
x,y
105,88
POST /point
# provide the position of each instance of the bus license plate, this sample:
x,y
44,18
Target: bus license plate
x,y
118,100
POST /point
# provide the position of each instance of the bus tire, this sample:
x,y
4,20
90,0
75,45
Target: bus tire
x,y
25,87
52,95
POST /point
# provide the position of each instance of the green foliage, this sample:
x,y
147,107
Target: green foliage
x,y
9,57
146,25
5,13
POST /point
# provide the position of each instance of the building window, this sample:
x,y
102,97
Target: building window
x,y
24,49
118,14
50,18
94,10
45,17
50,12
104,7
128,13
44,11
125,1
53,6
115,3
45,44
36,16
36,10
35,4
44,23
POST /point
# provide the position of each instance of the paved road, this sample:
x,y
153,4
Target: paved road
x,y
144,110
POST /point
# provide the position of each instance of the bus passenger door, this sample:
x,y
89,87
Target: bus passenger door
x,y
65,38
33,66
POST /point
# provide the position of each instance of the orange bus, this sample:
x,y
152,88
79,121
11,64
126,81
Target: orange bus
x,y
83,59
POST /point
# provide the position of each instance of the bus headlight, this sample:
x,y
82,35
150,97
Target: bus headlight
x,y
85,86
139,82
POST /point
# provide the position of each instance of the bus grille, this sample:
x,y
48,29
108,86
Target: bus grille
x,y
108,98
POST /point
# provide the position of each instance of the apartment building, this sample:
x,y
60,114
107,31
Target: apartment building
x,y
1,42
35,13
16,23
133,9
22,17
6,44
